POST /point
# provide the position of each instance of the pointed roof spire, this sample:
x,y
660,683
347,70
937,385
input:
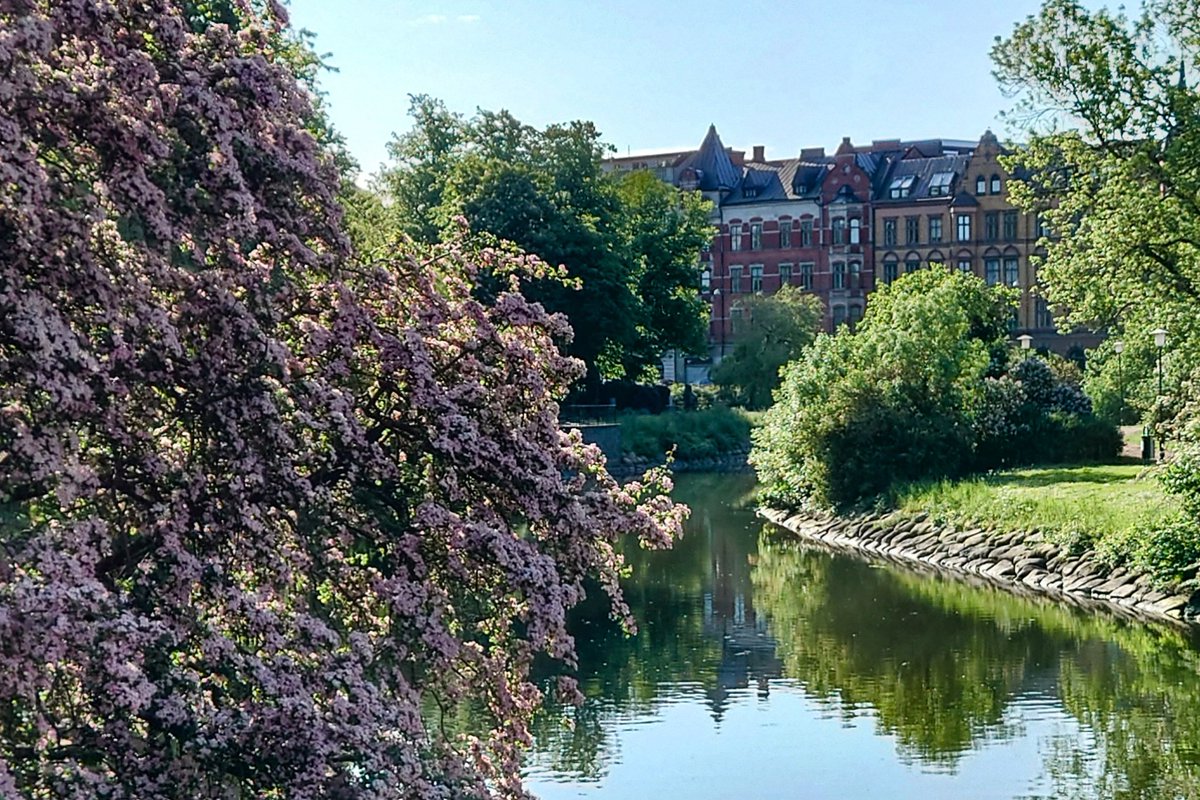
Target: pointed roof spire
x,y
712,161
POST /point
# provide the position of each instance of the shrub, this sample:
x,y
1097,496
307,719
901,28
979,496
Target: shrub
x,y
1078,438
914,395
691,434
1166,549
859,411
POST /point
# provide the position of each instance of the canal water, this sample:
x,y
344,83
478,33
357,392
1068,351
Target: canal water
x,y
765,668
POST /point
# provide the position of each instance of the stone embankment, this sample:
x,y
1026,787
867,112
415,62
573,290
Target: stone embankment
x,y
1022,561
726,462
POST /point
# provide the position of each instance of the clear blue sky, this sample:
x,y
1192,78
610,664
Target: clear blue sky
x,y
652,74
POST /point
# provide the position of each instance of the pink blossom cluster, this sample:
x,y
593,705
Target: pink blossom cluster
x,y
268,517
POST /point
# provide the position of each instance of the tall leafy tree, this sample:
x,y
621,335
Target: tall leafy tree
x,y
1120,188
663,231
267,513
777,329
629,246
422,160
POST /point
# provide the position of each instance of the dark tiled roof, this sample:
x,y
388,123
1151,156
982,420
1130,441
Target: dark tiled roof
x,y
766,181
809,175
922,172
715,168
964,200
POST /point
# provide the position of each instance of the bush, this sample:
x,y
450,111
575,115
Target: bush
x,y
1082,438
1166,549
703,396
692,434
920,393
860,411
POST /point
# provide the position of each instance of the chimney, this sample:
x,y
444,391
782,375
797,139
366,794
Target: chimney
x,y
812,152
885,144
760,153
845,146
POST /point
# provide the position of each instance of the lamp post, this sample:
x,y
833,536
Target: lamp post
x,y
1160,341
1026,341
1118,348
720,321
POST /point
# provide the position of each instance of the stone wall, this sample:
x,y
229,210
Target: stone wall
x,y
1020,561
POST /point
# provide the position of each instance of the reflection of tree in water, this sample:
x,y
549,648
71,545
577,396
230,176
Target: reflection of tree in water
x,y
855,636
936,662
939,661
698,630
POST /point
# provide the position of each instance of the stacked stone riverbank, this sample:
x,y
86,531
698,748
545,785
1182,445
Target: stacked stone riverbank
x,y
1020,561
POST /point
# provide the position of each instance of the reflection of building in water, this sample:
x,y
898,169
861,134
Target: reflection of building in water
x,y
747,648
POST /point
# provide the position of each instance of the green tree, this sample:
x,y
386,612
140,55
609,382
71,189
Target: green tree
x,y
629,244
422,160
893,401
1120,190
664,230
778,328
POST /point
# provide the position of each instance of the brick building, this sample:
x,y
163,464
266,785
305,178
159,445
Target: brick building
x,y
839,225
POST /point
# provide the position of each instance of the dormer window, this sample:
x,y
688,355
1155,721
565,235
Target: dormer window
x,y
981,185
995,184
939,184
901,187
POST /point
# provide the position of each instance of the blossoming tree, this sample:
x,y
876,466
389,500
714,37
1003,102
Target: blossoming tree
x,y
267,515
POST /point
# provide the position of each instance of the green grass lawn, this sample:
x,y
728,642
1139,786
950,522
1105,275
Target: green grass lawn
x,y
1108,507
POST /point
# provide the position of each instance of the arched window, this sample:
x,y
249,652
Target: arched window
x,y
981,185
891,268
855,274
912,263
995,184
855,231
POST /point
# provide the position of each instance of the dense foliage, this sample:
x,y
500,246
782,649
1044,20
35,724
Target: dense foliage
x,y
714,431
266,514
776,329
921,391
629,242
1120,192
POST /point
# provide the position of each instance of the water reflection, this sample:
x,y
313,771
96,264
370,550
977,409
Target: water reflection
x,y
763,667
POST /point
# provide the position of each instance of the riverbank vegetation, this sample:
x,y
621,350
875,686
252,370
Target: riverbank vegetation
x,y
1117,191
926,389
1121,511
705,433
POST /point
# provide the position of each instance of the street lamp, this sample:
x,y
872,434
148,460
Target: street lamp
x,y
1118,348
720,321
1026,341
1160,341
